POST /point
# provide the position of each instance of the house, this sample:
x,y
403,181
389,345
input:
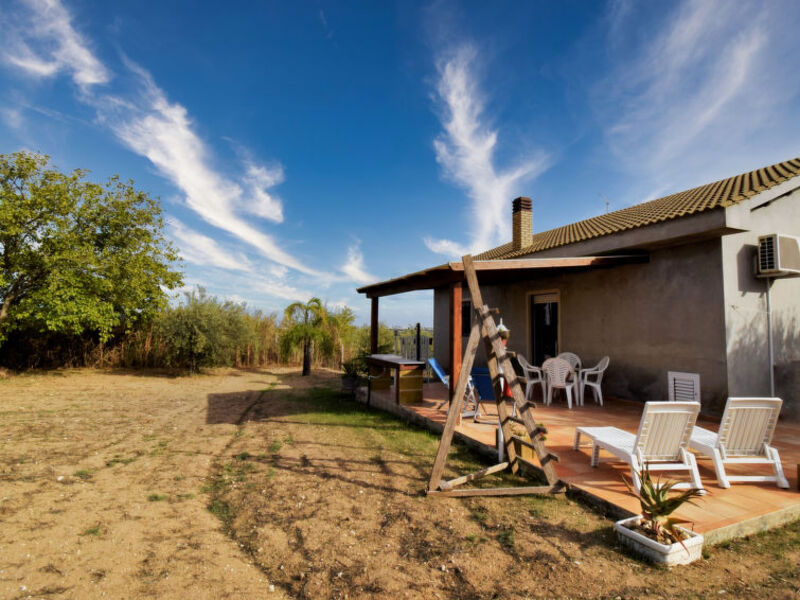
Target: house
x,y
666,285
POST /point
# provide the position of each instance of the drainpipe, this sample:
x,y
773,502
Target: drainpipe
x,y
768,281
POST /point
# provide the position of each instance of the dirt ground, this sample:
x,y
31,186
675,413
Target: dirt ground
x,y
263,484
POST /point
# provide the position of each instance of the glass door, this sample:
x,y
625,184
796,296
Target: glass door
x,y
544,327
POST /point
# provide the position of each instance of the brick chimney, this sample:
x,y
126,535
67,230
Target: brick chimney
x,y
522,222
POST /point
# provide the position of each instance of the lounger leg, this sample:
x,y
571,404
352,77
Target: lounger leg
x,y
772,453
694,472
635,468
577,443
595,454
568,391
722,479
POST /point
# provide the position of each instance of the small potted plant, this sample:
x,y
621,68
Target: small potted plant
x,y
353,369
655,534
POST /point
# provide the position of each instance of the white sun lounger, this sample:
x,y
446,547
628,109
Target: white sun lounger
x,y
660,443
744,437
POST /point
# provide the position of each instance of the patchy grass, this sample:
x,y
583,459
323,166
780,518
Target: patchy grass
x,y
157,497
84,474
121,460
92,531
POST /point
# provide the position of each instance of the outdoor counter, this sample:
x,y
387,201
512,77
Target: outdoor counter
x,y
408,376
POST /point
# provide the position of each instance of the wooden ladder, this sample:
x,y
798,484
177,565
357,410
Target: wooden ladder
x,y
499,362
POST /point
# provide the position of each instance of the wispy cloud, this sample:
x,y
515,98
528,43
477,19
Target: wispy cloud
x,y
690,102
58,46
202,250
466,151
354,268
162,131
154,127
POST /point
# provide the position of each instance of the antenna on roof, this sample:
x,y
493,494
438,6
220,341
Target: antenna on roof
x,y
606,201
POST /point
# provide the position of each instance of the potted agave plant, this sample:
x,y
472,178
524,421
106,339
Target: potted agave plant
x,y
655,534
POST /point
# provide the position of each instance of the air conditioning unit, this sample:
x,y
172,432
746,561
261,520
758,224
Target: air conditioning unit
x,y
778,256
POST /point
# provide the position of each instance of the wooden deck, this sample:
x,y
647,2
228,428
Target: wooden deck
x,y
722,514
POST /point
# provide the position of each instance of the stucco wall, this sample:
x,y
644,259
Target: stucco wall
x,y
649,318
746,310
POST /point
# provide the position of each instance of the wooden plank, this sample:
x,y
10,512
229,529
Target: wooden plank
x,y
513,491
455,336
454,413
446,485
549,263
373,323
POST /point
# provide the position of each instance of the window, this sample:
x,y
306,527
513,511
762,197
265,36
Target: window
x,y
466,317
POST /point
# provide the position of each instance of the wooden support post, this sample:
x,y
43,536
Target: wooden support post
x,y
373,331
455,336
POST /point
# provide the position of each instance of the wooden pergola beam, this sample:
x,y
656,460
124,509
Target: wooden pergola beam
x,y
493,271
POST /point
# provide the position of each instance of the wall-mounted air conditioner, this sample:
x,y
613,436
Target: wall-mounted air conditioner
x,y
778,256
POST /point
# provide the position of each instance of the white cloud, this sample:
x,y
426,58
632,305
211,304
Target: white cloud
x,y
202,250
466,151
60,47
162,132
354,267
260,202
697,100
446,247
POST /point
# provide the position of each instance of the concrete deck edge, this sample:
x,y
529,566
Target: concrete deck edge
x,y
608,509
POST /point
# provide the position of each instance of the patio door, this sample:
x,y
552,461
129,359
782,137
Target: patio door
x,y
544,315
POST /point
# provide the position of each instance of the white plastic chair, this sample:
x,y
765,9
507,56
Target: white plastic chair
x,y
573,360
561,375
594,378
533,375
744,437
683,387
660,444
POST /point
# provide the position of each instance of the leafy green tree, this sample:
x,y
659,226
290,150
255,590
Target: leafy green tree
x,y
304,323
204,332
77,256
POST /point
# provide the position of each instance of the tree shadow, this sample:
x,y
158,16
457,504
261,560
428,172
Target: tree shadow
x,y
748,360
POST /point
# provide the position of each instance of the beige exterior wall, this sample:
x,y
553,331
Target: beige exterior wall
x,y
746,307
649,318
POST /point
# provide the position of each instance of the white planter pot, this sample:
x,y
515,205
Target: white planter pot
x,y
668,554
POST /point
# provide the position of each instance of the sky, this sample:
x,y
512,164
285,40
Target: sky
x,y
305,149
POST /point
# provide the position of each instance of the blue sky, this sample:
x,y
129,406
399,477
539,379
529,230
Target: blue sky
x,y
307,148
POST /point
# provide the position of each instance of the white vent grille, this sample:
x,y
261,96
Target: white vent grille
x,y
766,254
683,387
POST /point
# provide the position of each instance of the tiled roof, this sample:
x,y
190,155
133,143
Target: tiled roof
x,y
725,192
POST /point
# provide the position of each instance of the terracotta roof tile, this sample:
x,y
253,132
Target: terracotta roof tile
x,y
725,192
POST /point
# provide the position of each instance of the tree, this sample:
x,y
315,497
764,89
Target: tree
x,y
304,324
203,331
76,255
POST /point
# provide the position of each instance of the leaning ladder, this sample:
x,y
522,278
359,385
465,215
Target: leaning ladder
x,y
486,330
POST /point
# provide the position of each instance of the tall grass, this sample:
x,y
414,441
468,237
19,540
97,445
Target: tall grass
x,y
199,331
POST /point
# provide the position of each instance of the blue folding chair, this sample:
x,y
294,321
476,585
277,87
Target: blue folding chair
x,y
484,390
470,408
